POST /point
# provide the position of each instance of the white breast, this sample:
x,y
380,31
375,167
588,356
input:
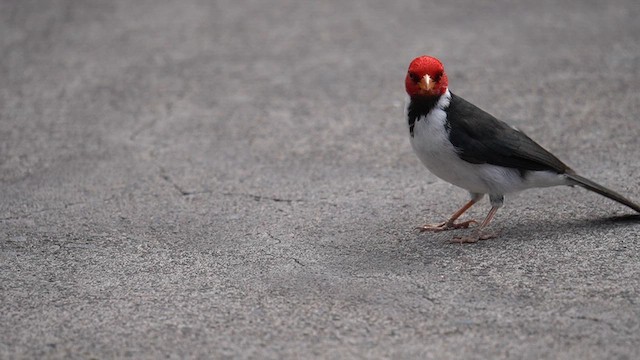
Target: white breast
x,y
433,147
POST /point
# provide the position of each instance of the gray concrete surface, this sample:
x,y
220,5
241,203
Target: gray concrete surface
x,y
233,179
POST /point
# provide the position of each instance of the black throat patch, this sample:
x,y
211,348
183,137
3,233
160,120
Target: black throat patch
x,y
418,108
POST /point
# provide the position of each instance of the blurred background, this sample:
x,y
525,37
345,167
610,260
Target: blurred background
x,y
235,178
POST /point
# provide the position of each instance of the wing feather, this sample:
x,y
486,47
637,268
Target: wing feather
x,y
480,138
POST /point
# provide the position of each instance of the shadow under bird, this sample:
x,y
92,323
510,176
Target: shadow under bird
x,y
468,147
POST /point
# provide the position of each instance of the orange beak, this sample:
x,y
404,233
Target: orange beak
x,y
426,84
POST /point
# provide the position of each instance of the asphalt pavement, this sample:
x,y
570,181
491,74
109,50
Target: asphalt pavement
x,y
233,179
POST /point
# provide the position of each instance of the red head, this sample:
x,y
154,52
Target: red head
x,y
426,77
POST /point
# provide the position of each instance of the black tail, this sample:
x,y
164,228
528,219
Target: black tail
x,y
597,188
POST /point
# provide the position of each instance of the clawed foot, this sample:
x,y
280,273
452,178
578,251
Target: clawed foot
x,y
446,226
475,237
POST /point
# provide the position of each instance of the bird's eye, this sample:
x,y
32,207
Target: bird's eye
x,y
437,77
414,77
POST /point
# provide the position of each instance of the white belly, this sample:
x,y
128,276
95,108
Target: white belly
x,y
431,144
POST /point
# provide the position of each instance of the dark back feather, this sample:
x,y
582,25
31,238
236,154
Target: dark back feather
x,y
482,139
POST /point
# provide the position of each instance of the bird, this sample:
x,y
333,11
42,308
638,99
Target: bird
x,y
470,148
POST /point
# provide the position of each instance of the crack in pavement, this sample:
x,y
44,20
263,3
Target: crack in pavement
x,y
55,208
263,197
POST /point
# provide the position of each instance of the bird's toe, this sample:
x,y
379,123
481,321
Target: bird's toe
x,y
473,238
444,226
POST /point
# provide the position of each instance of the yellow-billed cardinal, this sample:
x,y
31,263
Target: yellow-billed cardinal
x,y
469,148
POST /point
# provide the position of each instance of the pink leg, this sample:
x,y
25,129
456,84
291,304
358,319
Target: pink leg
x,y
477,233
451,224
